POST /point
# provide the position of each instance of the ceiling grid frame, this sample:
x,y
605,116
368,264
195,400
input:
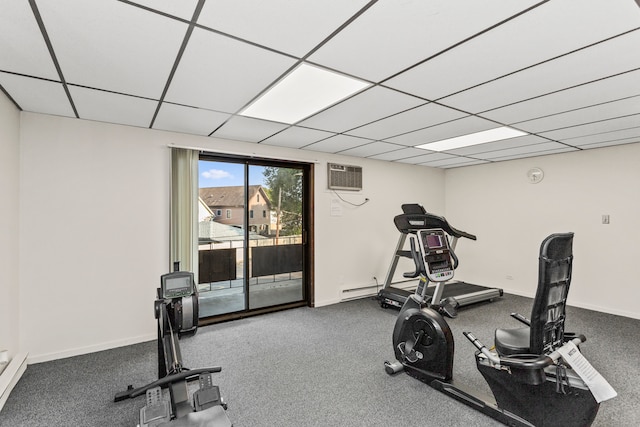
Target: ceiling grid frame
x,y
593,113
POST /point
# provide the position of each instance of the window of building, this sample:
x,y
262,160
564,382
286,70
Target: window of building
x,y
251,213
228,213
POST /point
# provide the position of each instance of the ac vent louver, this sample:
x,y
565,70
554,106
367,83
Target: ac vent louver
x,y
344,177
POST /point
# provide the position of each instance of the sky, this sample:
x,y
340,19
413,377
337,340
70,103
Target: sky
x,y
220,174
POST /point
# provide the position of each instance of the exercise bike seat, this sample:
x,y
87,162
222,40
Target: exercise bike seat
x,y
512,341
546,327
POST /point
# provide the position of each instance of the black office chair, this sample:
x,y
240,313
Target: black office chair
x,y
545,331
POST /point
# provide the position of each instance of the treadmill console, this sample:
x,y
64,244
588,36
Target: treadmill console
x,y
436,254
176,285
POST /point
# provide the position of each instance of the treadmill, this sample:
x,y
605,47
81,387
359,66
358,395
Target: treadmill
x,y
456,293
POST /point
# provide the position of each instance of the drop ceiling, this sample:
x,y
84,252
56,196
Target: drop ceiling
x,y
567,72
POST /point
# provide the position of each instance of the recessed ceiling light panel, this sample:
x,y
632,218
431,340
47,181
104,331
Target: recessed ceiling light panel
x,y
490,135
303,92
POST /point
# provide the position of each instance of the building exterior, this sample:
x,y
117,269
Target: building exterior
x,y
227,205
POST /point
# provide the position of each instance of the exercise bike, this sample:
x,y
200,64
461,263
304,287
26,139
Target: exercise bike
x,y
177,312
445,306
529,375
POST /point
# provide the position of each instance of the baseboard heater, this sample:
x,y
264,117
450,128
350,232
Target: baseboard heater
x,y
348,294
10,376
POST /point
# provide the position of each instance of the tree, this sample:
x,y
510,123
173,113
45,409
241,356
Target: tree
x,y
284,188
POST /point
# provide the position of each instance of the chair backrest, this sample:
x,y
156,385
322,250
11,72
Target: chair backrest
x,y
554,278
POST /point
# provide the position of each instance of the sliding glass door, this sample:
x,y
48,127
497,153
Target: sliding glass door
x,y
276,255
252,231
221,237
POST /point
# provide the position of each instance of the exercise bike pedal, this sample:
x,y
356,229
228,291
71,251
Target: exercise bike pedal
x,y
393,368
449,307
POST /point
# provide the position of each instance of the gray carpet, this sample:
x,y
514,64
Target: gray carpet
x,y
314,367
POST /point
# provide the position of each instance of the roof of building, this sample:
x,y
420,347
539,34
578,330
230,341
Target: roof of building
x,y
230,196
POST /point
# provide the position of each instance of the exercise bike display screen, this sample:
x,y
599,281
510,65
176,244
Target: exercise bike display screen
x,y
435,251
179,284
434,241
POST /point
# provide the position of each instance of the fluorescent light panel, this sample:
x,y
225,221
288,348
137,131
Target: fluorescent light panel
x,y
490,135
303,92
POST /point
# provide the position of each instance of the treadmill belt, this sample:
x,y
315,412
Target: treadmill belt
x,y
456,288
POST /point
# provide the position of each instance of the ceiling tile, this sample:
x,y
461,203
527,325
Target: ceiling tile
x,y
517,44
459,127
453,161
371,149
608,89
112,107
219,73
127,49
525,150
593,128
248,129
590,64
416,118
594,113
611,143
337,143
296,137
23,49
429,157
399,153
625,135
301,25
534,154
393,35
363,108
438,157
178,118
39,96
182,9
498,145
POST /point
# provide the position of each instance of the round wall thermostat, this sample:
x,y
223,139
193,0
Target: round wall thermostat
x,y
535,175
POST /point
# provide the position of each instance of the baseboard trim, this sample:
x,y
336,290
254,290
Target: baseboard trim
x,y
606,310
586,306
78,351
10,376
322,303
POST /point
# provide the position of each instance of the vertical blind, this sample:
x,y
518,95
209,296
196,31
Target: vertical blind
x,y
184,209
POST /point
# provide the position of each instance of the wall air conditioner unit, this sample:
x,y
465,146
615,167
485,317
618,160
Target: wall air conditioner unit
x,y
344,177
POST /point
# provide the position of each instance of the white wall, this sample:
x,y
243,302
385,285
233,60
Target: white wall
x,y
353,248
93,225
93,234
9,208
95,218
511,217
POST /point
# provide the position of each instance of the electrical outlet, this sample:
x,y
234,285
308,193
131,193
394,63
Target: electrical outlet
x,y
605,219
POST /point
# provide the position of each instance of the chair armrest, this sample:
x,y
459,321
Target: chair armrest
x,y
521,318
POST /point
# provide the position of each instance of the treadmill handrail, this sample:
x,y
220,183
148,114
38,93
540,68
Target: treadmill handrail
x,y
411,223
